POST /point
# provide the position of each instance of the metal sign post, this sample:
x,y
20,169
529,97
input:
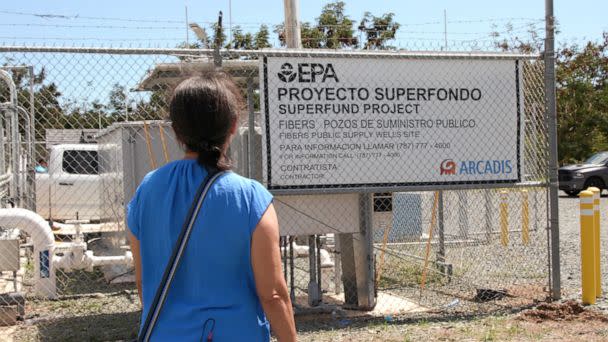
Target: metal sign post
x,y
550,100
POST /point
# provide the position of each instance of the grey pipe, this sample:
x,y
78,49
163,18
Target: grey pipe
x,y
14,131
27,190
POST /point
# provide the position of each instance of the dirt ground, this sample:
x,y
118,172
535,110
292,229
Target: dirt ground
x,y
566,321
111,313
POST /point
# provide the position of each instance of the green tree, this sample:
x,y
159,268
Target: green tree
x,y
118,100
508,40
582,100
262,38
336,27
49,112
582,92
378,31
219,36
240,40
333,29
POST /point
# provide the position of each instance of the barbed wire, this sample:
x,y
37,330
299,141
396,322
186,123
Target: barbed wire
x,y
403,34
473,21
436,22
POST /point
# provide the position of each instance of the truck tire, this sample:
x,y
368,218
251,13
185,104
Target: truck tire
x,y
596,182
572,193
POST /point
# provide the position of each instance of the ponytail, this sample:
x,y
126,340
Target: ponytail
x,y
210,156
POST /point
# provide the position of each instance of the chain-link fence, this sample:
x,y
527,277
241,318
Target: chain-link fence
x,y
405,183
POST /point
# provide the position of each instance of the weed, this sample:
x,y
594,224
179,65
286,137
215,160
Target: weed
x,y
400,272
490,334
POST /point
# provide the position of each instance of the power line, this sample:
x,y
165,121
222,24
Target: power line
x,y
91,38
490,20
96,26
61,16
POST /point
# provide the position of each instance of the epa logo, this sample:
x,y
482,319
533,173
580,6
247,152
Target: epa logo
x,y
287,74
307,73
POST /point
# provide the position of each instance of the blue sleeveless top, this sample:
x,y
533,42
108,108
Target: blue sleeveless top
x,y
215,278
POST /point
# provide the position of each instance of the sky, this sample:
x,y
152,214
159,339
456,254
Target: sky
x,y
163,23
155,23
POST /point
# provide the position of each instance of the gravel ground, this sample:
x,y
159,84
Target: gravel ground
x,y
111,314
580,325
569,222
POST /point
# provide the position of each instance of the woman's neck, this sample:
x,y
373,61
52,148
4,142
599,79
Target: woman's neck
x,y
190,155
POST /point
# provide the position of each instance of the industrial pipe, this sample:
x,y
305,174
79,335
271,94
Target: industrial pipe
x,y
78,258
14,131
303,251
8,79
42,238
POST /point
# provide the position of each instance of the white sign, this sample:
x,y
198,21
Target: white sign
x,y
352,122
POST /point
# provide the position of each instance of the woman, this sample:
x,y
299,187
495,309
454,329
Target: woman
x,y
230,278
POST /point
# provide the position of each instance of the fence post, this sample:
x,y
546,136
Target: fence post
x,y
441,233
596,238
551,118
314,292
587,247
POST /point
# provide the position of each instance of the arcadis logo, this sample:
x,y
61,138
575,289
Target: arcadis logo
x,y
448,167
475,167
307,72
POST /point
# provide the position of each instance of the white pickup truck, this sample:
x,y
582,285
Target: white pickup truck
x,y
70,190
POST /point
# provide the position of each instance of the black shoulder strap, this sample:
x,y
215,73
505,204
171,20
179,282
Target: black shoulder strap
x,y
176,256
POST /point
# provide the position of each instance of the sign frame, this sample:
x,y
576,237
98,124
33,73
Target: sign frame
x,y
392,186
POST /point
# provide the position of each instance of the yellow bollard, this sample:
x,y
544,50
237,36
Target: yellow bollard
x,y
525,218
587,247
504,218
596,239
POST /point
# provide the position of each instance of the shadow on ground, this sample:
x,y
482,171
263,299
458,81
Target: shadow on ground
x,y
102,327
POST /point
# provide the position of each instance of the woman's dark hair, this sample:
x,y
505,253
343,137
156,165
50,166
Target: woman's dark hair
x,y
203,109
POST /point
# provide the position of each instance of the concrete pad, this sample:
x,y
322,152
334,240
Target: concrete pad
x,y
386,304
87,228
6,333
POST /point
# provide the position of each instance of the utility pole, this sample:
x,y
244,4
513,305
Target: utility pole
x,y
293,36
445,28
551,117
229,21
187,29
294,41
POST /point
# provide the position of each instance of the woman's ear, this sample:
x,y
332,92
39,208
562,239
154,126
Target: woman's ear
x,y
234,126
